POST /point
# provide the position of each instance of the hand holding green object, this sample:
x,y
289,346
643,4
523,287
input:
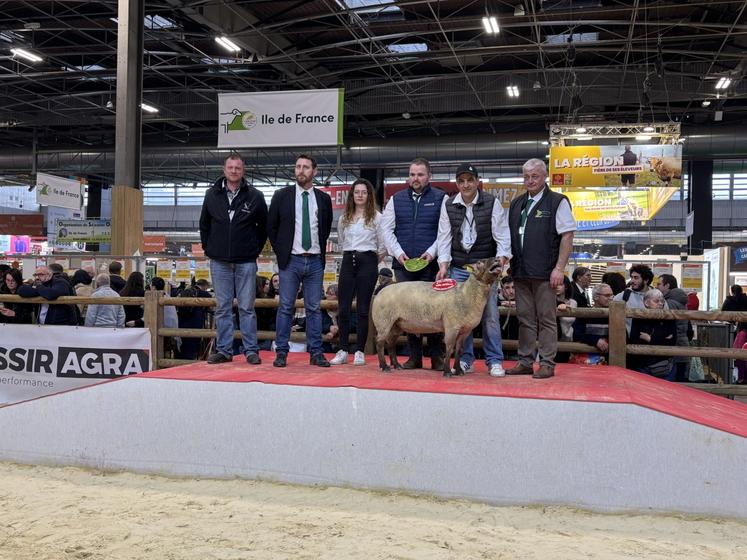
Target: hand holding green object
x,y
415,265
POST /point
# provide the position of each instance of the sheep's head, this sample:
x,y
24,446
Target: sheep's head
x,y
487,271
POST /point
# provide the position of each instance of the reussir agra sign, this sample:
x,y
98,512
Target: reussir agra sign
x,y
280,118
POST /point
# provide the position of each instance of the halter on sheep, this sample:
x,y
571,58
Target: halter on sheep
x,y
415,308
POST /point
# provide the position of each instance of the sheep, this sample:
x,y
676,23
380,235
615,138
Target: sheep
x,y
414,307
667,168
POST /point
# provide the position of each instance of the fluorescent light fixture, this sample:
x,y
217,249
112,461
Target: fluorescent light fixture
x,y
491,25
584,137
643,137
148,108
648,129
723,83
545,143
706,103
226,43
23,53
513,91
580,130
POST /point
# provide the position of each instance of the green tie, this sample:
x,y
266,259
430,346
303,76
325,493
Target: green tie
x,y
305,223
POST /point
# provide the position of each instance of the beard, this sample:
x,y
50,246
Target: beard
x,y
303,180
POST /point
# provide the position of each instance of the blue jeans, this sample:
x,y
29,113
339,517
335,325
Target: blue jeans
x,y
237,279
310,271
491,326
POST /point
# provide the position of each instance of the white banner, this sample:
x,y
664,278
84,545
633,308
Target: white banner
x,y
38,360
280,118
85,231
56,191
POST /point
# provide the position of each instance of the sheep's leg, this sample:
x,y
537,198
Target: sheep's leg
x,y
392,346
381,341
450,337
459,345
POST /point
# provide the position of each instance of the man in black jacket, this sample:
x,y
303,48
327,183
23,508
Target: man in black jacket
x,y
298,226
233,231
50,287
581,281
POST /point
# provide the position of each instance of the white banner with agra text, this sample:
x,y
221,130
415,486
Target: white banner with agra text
x,y
39,360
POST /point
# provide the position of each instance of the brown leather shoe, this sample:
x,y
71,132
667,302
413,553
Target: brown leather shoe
x,y
544,372
520,369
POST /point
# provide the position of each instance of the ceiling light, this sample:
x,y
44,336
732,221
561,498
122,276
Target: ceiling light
x,y
148,108
643,137
110,104
23,53
545,143
513,91
706,103
537,86
723,83
648,129
580,130
587,137
406,115
227,44
491,25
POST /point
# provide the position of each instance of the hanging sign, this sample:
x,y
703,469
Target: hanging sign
x,y
270,119
57,191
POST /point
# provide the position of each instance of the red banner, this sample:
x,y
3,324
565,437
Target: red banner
x,y
22,224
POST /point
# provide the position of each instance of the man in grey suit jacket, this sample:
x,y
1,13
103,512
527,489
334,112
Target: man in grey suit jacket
x,y
298,227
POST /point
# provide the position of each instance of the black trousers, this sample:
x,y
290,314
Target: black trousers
x,y
358,274
415,342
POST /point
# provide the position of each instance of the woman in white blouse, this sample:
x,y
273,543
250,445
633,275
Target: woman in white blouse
x,y
359,236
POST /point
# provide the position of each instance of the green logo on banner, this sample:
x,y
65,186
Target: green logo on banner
x,y
242,120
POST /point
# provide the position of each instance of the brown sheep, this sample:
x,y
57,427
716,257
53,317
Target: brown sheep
x,y
667,168
415,308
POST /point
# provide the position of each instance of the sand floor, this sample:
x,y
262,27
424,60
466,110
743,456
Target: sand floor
x,y
68,513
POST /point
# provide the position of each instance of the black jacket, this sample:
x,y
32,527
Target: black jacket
x,y
281,222
116,282
52,289
23,310
236,240
579,296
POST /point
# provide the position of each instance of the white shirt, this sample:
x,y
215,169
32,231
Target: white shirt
x,y
388,223
498,227
564,220
313,220
358,236
230,195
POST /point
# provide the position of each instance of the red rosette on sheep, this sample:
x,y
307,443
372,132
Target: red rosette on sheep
x,y
443,285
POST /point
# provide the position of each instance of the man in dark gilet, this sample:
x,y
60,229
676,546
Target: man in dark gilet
x,y
542,226
473,226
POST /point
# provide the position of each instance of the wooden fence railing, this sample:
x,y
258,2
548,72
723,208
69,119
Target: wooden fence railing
x,y
154,301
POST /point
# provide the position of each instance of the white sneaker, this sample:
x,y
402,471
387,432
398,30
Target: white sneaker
x,y
359,359
340,358
496,370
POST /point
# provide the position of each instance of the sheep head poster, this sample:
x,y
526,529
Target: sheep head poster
x,y
625,165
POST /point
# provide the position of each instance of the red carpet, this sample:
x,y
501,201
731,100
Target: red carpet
x,y
571,383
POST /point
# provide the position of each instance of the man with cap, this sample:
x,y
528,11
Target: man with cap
x,y
473,225
385,278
